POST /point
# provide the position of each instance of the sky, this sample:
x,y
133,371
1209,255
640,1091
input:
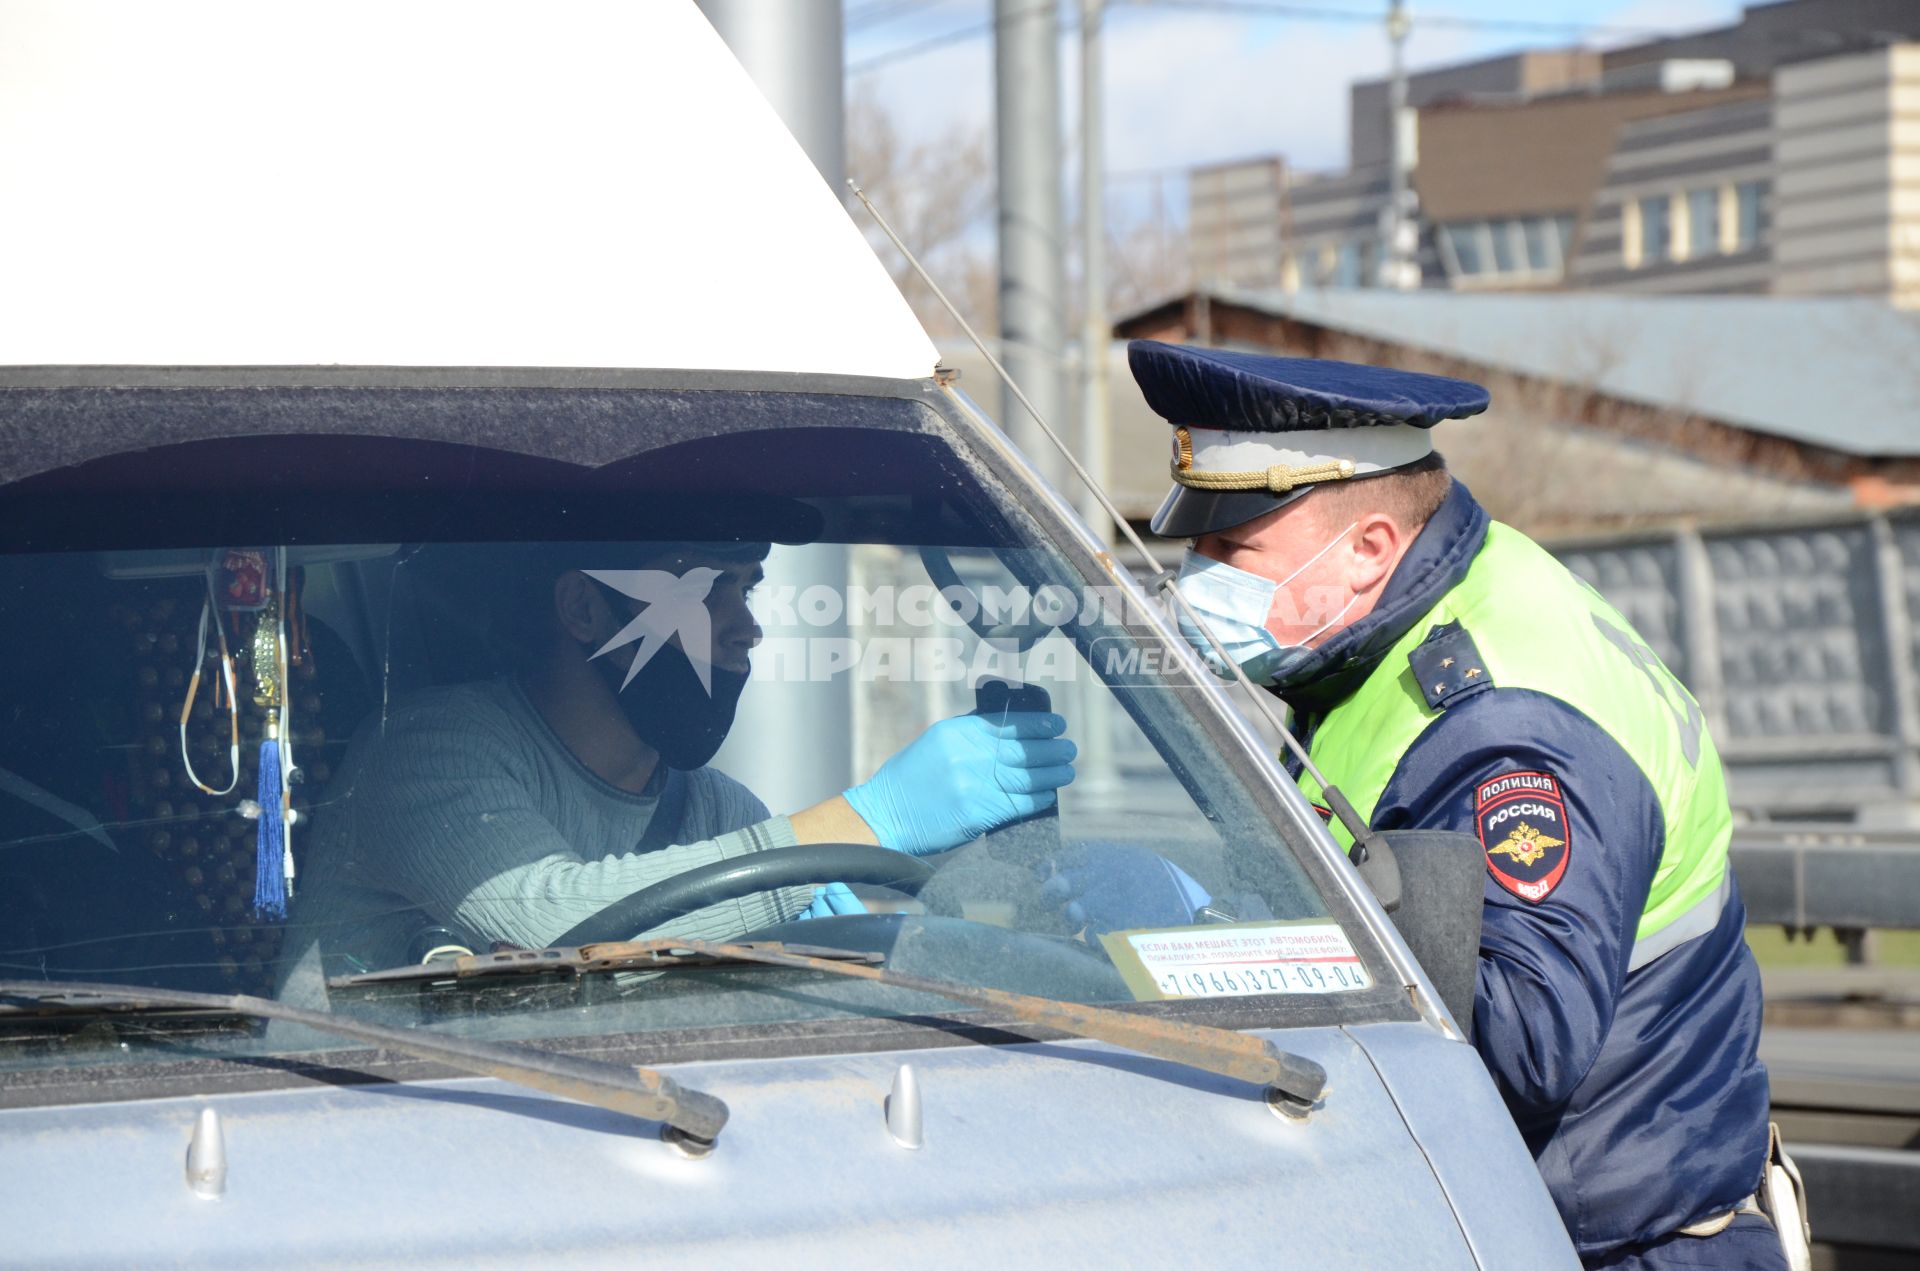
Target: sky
x,y
1188,87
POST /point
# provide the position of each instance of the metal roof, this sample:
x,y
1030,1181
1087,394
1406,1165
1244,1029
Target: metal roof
x,y
1843,373
468,183
1623,482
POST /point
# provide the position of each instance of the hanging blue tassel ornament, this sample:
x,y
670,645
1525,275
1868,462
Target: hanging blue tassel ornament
x,y
270,843
273,857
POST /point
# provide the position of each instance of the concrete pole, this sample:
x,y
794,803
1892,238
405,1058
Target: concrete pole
x,y
1395,265
1093,723
1096,333
1033,244
793,740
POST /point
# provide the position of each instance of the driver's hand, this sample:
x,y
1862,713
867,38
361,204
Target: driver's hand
x,y
833,901
963,777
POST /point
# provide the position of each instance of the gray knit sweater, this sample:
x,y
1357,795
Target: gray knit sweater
x,y
465,809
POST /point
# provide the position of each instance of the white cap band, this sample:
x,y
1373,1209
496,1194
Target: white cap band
x,y
1369,450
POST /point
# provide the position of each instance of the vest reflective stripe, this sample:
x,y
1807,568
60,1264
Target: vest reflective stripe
x,y
1691,925
1540,628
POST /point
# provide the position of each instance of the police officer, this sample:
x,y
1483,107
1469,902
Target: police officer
x,y
1447,673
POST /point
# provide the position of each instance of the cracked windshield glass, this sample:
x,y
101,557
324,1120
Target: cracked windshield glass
x,y
831,687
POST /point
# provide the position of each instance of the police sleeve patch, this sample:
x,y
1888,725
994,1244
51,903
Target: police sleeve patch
x,y
1521,818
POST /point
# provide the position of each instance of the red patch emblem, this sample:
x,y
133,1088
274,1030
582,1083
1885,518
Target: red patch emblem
x,y
1521,818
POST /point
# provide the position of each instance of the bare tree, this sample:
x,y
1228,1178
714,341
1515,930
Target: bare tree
x,y
1147,263
939,195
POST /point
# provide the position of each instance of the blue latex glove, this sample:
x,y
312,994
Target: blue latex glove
x,y
963,777
1113,886
833,900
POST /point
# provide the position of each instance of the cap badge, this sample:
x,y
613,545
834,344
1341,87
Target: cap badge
x,y
1182,450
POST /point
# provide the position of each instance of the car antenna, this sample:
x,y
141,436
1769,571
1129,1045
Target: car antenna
x,y
1370,853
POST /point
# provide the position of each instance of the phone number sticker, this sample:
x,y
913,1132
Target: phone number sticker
x,y
1237,960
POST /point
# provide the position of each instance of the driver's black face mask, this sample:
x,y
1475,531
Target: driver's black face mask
x,y
667,706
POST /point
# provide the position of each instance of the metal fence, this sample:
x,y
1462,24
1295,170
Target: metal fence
x,y
1803,877
1800,642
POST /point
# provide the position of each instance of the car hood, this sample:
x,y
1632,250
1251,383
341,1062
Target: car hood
x,y
1049,1153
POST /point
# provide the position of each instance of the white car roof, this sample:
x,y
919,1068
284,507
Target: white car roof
x,y
429,183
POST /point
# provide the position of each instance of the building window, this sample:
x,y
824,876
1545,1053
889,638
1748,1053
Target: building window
x,y
1351,264
1656,228
1703,222
1746,215
1464,242
1509,250
1542,250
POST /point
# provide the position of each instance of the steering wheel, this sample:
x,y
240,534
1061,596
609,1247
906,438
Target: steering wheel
x,y
730,879
946,578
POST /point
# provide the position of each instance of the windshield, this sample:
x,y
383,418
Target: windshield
x,y
721,665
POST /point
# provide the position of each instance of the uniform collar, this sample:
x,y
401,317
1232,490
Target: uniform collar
x,y
1432,567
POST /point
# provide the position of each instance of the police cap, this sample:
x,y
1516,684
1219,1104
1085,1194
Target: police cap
x,y
1252,432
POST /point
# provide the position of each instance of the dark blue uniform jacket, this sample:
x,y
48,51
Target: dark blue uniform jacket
x,y
1639,1094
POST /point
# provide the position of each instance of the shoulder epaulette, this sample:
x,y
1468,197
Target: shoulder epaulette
x,y
1447,666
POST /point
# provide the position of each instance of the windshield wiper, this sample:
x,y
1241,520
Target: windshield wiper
x,y
566,959
693,1120
1294,1083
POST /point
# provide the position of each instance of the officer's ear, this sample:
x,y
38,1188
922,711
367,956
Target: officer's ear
x,y
1377,542
580,609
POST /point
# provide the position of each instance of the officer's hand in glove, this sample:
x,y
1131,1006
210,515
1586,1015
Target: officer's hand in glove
x,y
963,777
1112,886
1104,886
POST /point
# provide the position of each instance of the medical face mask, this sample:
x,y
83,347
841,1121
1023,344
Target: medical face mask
x,y
671,710
1236,605
666,702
